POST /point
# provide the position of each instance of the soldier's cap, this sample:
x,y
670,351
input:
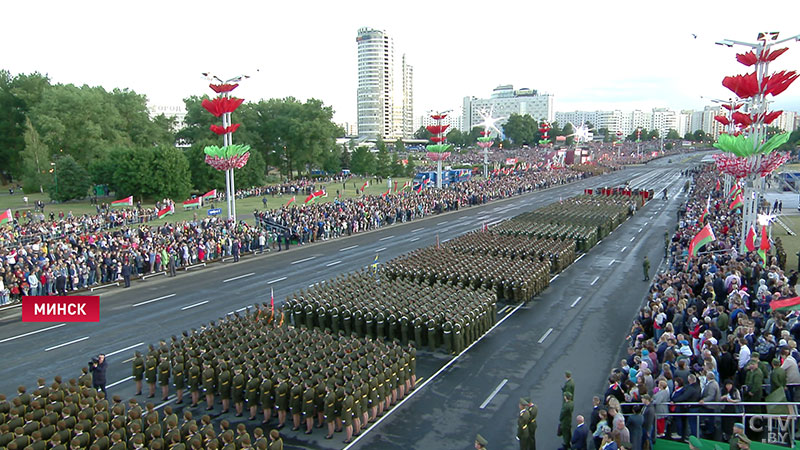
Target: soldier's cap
x,y
738,425
524,401
481,440
568,373
568,395
695,443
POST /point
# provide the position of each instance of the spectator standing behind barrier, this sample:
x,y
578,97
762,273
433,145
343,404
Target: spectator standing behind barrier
x,y
98,368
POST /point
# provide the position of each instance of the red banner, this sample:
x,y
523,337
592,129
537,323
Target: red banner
x,y
61,309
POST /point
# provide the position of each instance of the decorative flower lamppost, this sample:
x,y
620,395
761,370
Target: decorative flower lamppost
x,y
544,130
439,150
229,156
485,141
750,157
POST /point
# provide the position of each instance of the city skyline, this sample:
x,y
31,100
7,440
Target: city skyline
x,y
626,57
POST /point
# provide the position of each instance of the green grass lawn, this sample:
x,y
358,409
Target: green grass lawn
x,y
791,244
244,207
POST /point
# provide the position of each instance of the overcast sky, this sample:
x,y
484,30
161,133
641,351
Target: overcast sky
x,y
589,54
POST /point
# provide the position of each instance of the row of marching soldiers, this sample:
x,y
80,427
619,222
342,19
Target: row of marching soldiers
x,y
252,362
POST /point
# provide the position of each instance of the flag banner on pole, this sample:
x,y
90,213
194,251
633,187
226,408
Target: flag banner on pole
x,y
705,236
705,212
737,202
734,190
365,185
750,241
785,304
405,186
5,217
124,202
170,209
763,247
272,302
314,195
717,188
209,194
193,203
291,200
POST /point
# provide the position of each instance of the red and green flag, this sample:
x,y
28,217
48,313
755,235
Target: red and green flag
x,y
169,209
705,236
734,190
210,194
291,200
314,195
705,212
763,248
124,202
737,202
785,304
193,203
717,188
750,240
5,217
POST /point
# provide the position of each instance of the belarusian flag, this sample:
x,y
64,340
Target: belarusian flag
x,y
705,236
313,196
734,190
169,209
737,202
124,202
365,185
5,217
705,212
750,241
405,185
763,248
785,304
211,193
291,200
193,203
385,193
717,188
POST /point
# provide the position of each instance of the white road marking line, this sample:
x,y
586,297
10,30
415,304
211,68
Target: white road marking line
x,y
240,277
127,361
303,260
126,348
547,333
554,277
503,309
348,248
192,306
645,224
494,392
418,229
633,238
66,343
436,374
385,238
242,309
32,332
276,280
445,240
640,230
120,381
442,223
595,280
612,262
575,302
153,300
414,239
380,249
579,257
170,399
623,249
333,263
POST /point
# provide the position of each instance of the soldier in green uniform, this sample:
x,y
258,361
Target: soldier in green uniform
x,y
163,377
178,378
282,400
569,384
296,402
224,382
565,421
523,422
151,374
481,443
266,397
308,406
138,371
347,415
194,381
209,381
251,393
237,390
646,268
533,411
330,410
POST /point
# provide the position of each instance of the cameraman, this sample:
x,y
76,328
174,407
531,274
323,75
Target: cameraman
x,y
98,368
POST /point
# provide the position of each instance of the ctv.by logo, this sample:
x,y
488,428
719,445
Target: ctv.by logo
x,y
778,429
61,309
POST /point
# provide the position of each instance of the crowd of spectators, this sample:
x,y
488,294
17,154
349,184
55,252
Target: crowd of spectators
x,y
705,334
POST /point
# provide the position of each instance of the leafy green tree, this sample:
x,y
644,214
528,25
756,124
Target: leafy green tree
x,y
170,177
399,146
204,177
521,129
131,171
333,160
673,134
395,167
12,127
363,161
345,159
569,132
699,136
383,162
411,167
422,133
70,180
653,134
456,138
35,161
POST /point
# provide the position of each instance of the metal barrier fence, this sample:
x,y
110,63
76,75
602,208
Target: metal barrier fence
x,y
778,429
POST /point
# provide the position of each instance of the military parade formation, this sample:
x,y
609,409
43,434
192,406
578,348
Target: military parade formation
x,y
336,355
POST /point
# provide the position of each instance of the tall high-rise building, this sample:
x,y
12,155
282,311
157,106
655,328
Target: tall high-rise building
x,y
504,101
385,92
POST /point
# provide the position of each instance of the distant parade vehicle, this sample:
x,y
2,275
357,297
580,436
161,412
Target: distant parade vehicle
x,y
428,179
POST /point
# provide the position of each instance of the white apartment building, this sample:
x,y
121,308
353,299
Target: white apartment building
x,y
385,95
454,121
661,119
504,101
